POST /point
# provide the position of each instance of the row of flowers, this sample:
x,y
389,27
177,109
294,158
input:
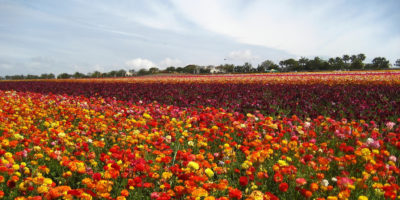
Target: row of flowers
x,y
377,102
60,146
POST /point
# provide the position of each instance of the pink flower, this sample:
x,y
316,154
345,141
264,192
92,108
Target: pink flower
x,y
300,182
392,158
344,182
390,125
154,195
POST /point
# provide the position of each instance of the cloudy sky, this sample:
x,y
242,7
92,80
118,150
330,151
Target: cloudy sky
x,y
47,36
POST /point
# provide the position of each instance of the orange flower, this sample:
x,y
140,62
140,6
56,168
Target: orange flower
x,y
125,193
314,187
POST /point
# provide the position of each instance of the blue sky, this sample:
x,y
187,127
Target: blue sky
x,y
46,36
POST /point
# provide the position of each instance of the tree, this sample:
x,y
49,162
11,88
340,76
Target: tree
x,y
206,70
64,76
380,63
47,76
121,73
304,64
357,61
346,58
238,69
142,72
226,68
361,56
179,70
247,67
267,65
112,73
318,64
289,64
336,63
153,70
192,69
397,63
29,76
96,74
78,75
170,69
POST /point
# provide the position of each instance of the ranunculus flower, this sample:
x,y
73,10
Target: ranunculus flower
x,y
243,180
300,182
283,187
193,165
209,172
235,194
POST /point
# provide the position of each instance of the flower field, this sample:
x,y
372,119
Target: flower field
x,y
282,136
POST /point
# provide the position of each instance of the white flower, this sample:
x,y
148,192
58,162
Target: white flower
x,y
325,182
370,141
307,125
392,158
334,179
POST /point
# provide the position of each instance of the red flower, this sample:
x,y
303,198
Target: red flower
x,y
96,176
235,194
270,196
74,192
278,177
283,187
243,181
11,184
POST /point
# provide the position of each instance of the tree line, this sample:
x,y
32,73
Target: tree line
x,y
344,63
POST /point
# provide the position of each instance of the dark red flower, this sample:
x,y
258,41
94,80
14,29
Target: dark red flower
x,y
243,180
283,187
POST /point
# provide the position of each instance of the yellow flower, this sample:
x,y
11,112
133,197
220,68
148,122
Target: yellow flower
x,y
5,142
42,189
199,192
365,151
362,198
282,163
48,181
22,186
257,195
245,165
8,155
193,165
209,172
166,175
379,191
147,116
15,167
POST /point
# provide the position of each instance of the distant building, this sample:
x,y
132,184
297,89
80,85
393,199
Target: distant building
x,y
216,70
130,73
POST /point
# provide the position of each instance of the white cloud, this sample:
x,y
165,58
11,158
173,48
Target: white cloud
x,y
139,63
243,56
167,62
304,28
